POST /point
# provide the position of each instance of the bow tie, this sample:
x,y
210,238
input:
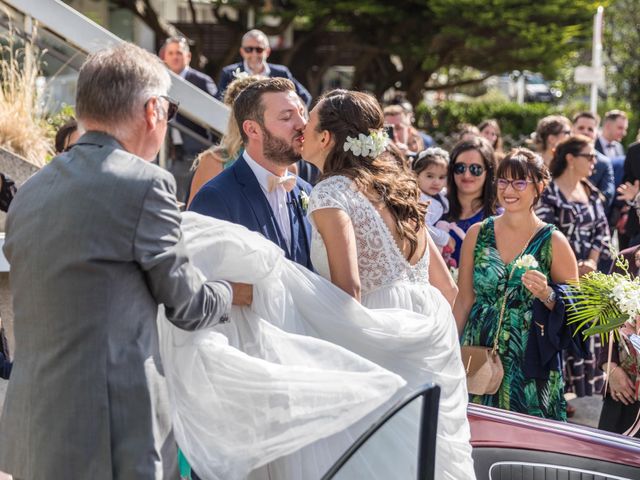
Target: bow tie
x,y
287,182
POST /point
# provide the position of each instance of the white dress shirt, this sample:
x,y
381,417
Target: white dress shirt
x,y
265,73
612,149
277,198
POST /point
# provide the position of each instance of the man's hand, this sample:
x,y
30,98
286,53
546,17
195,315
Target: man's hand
x,y
242,293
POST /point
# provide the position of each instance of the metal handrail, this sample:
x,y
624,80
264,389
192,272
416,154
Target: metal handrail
x,y
90,37
427,438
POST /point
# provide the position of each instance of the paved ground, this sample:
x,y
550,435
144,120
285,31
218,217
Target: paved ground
x,y
587,410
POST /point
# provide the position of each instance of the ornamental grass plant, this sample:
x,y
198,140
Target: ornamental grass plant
x,y
24,129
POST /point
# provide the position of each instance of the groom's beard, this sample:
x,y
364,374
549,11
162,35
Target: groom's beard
x,y
278,150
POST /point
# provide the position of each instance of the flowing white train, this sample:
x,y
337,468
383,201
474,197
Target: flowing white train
x,y
284,387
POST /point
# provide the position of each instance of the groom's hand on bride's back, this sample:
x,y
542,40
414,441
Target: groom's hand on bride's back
x,y
242,293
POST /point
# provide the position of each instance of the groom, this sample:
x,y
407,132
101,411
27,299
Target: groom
x,y
257,191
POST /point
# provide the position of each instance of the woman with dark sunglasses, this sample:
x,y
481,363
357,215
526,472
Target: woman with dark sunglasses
x,y
470,187
576,207
510,269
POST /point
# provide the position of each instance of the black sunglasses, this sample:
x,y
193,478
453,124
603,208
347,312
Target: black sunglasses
x,y
590,156
172,108
474,169
251,49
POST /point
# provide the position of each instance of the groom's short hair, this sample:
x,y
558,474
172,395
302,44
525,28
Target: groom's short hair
x,y
249,105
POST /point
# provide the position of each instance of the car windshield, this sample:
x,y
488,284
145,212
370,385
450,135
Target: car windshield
x,y
535,79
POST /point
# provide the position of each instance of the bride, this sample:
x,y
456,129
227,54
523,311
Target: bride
x,y
290,382
369,239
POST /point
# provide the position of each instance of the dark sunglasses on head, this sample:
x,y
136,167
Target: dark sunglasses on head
x,y
172,108
474,169
519,185
252,49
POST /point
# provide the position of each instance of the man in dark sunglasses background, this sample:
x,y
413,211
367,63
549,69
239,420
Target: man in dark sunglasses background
x,y
254,51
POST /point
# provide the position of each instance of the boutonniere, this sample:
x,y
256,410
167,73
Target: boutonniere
x,y
303,198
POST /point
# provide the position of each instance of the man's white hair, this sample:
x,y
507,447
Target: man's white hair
x,y
258,35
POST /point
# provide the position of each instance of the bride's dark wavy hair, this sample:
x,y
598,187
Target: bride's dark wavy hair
x,y
345,113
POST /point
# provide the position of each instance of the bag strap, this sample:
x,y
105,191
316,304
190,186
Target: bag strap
x,y
494,350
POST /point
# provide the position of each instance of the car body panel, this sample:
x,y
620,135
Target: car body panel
x,y
494,428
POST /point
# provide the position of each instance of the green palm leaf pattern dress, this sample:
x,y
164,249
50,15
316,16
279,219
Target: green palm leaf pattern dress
x,y
542,398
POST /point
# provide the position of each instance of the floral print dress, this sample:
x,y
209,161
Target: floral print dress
x,y
542,398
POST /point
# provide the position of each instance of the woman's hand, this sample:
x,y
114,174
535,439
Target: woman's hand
x,y
628,191
536,283
620,386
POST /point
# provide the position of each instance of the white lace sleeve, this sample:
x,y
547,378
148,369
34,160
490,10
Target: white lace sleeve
x,y
334,192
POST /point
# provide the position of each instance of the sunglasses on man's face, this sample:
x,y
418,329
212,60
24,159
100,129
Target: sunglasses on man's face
x,y
252,49
474,169
172,106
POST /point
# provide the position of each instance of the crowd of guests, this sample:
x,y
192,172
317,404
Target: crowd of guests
x,y
562,186
556,201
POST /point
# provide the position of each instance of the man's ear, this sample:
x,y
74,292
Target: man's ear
x,y
151,113
251,129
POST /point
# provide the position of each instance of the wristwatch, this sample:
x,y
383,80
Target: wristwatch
x,y
551,298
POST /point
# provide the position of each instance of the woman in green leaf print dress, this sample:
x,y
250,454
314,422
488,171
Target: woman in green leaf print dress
x,y
491,274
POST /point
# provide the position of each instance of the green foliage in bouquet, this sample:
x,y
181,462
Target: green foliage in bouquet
x,y
594,301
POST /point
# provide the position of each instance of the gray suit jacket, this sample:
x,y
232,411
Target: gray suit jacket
x,y
94,243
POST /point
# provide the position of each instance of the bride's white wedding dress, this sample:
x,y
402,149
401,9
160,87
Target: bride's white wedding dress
x,y
388,280
291,378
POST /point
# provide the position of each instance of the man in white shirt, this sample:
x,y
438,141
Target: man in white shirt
x,y
254,52
258,191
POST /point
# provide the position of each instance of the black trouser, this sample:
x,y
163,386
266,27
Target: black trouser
x,y
616,416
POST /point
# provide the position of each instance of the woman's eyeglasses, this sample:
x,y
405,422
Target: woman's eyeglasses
x,y
252,49
519,185
474,169
590,156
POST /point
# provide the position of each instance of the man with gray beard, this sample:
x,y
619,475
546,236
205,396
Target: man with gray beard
x,y
257,191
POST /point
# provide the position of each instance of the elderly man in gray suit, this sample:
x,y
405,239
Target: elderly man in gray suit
x,y
95,245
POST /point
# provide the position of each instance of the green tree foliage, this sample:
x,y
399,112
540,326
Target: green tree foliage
x,y
427,36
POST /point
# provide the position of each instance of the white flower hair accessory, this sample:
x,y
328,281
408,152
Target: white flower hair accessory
x,y
370,145
238,74
527,262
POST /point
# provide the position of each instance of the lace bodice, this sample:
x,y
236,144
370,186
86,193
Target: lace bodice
x,y
380,261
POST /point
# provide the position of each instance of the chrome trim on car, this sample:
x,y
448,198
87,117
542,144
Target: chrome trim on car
x,y
558,467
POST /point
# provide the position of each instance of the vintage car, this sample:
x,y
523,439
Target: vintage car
x,y
508,446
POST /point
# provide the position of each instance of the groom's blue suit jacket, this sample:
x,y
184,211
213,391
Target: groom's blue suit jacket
x,y
236,196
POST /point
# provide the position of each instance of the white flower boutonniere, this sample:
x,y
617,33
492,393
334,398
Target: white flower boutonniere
x,y
526,262
303,198
238,74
